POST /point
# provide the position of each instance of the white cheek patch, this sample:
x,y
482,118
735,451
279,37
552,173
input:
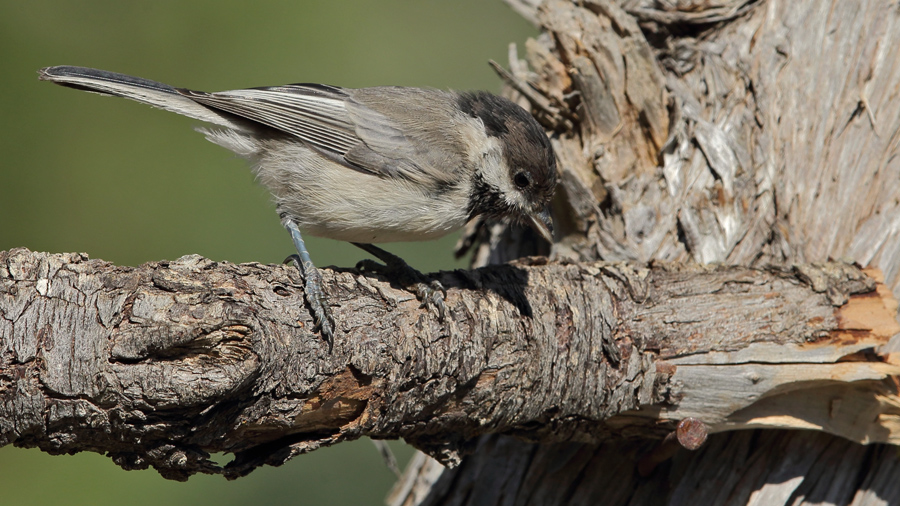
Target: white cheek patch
x,y
495,172
486,153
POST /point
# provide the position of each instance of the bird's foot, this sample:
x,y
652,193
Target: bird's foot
x,y
431,293
315,297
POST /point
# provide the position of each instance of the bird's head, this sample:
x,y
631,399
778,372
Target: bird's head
x,y
520,182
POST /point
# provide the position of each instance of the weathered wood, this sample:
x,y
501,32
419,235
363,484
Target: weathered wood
x,y
759,468
782,143
165,363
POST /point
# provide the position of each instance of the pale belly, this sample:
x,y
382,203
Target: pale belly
x,y
329,200
376,219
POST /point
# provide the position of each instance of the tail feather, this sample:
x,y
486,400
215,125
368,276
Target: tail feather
x,y
141,90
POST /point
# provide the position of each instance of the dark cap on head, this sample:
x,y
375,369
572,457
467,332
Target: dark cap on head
x,y
526,147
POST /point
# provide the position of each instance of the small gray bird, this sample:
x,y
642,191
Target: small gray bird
x,y
367,165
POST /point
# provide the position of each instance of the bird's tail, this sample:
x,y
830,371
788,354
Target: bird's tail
x,y
142,90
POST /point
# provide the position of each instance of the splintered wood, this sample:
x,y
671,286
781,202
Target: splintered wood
x,y
842,384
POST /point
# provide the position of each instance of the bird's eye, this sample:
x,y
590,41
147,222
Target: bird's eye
x,y
521,180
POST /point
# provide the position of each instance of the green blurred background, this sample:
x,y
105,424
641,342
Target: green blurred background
x,y
129,184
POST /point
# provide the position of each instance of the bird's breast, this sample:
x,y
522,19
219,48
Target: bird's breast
x,y
330,200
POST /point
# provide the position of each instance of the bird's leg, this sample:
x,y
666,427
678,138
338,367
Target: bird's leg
x,y
315,296
430,293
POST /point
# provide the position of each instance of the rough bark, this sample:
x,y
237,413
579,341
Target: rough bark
x,y
728,131
166,363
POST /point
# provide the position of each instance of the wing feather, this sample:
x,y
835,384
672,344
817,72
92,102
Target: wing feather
x,y
330,120
318,119
390,131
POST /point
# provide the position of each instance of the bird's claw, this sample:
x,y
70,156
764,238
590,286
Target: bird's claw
x,y
432,295
315,297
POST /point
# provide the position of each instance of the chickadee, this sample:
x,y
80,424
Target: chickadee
x,y
366,165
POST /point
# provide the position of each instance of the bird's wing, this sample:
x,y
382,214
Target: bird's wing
x,y
351,127
328,119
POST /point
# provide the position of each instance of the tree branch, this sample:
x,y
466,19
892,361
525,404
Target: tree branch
x,y
163,364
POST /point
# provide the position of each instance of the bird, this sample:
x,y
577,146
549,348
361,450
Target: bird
x,y
366,165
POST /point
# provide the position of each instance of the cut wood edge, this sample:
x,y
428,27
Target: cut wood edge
x,y
865,412
873,312
847,384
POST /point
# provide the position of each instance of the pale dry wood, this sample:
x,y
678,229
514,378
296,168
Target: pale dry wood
x,y
764,468
764,379
774,125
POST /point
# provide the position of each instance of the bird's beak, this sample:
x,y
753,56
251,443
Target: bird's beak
x,y
542,223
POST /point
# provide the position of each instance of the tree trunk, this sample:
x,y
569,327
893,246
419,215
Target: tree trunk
x,y
738,132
